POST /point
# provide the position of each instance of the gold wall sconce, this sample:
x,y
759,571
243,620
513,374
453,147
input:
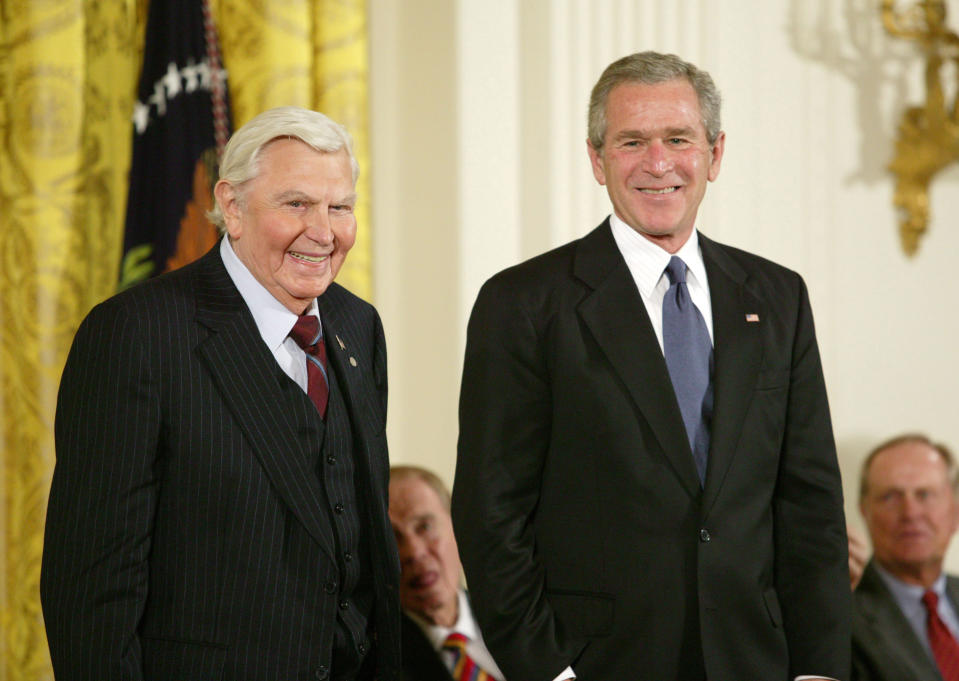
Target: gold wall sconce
x,y
928,135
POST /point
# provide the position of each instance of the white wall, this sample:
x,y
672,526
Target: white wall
x,y
478,115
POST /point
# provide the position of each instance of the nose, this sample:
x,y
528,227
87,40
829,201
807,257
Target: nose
x,y
657,160
319,228
410,549
911,506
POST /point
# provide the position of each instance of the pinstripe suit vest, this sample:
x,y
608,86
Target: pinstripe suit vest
x,y
336,470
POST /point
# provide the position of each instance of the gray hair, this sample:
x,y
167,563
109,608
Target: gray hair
x,y
651,68
241,157
952,472
400,473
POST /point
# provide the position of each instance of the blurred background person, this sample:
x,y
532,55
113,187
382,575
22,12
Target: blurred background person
x,y
905,619
440,639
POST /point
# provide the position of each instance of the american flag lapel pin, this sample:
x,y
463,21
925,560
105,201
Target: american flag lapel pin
x,y
752,317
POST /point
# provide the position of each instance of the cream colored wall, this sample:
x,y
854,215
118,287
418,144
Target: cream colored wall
x,y
479,161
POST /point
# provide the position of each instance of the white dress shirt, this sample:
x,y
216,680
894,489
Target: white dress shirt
x,y
273,320
465,625
647,263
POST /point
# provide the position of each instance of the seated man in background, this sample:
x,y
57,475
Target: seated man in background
x,y
440,639
905,621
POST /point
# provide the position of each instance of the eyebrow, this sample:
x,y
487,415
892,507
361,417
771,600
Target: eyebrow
x,y
289,194
669,132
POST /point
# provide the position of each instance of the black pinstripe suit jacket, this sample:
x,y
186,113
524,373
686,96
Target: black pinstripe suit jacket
x,y
185,534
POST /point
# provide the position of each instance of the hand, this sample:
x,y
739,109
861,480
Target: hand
x,y
858,555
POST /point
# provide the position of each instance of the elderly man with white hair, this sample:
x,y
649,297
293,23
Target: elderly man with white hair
x,y
219,503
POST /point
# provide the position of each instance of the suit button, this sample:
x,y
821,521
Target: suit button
x,y
338,509
322,672
704,535
362,649
330,587
344,605
347,556
331,459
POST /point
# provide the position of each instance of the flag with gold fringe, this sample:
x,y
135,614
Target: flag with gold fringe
x,y
181,121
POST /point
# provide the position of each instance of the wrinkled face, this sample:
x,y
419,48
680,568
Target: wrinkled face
x,y
293,224
910,510
429,559
656,160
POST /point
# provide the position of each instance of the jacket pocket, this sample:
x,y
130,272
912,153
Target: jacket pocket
x,y
583,614
180,660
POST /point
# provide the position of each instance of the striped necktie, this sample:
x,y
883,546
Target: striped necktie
x,y
464,667
307,334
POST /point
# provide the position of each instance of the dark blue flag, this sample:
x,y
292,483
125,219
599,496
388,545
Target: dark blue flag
x,y
181,121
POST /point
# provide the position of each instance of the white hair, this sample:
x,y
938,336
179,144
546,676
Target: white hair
x,y
241,157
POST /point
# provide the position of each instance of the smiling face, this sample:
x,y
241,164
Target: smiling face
x,y
429,560
910,510
293,224
656,160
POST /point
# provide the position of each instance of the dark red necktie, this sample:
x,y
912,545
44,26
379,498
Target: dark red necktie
x,y
306,333
944,647
464,667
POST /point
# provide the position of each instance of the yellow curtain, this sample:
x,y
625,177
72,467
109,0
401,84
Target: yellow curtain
x,y
68,71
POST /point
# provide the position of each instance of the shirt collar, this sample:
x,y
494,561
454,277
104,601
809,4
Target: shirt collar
x,y
909,596
465,624
273,320
648,261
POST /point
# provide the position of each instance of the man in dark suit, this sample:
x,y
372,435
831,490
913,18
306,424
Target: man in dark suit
x,y
905,608
614,527
219,503
441,640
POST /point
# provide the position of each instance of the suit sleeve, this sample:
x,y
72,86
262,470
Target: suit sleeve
x,y
99,519
811,564
505,424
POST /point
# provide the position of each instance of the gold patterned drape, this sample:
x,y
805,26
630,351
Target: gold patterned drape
x,y
68,71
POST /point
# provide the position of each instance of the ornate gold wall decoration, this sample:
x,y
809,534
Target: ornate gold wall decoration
x,y
929,134
68,71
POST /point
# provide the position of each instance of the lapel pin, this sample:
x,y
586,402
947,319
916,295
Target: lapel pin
x,y
353,361
340,341
752,317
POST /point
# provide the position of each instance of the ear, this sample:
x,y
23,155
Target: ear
x,y
716,156
229,201
596,161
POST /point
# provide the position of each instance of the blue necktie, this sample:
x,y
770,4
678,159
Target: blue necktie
x,y
689,358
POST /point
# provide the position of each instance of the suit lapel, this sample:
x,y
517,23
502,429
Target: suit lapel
x,y
345,352
616,316
737,356
420,660
252,386
952,590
